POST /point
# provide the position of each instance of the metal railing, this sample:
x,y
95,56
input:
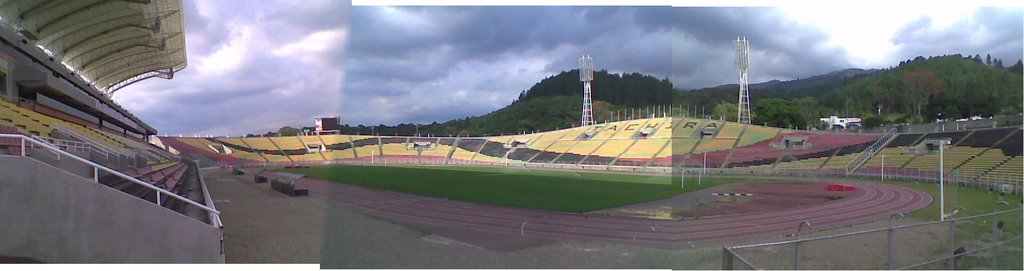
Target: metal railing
x,y
773,255
97,168
866,155
88,139
214,217
76,145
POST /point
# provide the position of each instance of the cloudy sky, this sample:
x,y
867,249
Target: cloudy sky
x,y
256,68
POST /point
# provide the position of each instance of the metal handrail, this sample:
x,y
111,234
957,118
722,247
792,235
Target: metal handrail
x,y
866,155
97,167
72,144
88,139
214,218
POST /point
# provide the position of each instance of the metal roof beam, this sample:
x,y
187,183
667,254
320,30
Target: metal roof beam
x,y
115,59
103,33
39,7
143,38
54,38
106,82
72,13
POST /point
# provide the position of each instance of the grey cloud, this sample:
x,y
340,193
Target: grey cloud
x,y
265,91
989,31
780,48
389,61
467,61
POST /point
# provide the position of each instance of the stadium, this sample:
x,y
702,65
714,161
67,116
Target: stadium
x,y
85,181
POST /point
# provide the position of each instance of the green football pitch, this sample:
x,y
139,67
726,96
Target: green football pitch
x,y
535,189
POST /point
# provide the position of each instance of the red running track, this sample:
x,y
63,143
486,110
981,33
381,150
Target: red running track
x,y
872,201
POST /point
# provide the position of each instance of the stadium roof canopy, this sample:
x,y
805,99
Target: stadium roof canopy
x,y
109,44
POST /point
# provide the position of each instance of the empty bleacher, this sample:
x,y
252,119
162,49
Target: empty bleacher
x,y
140,160
661,127
812,146
466,149
641,152
607,153
692,142
984,154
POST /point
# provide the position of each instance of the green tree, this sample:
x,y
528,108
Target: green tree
x,y
921,85
1017,68
778,113
727,110
287,131
872,121
810,111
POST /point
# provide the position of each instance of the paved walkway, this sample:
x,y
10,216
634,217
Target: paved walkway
x,y
264,226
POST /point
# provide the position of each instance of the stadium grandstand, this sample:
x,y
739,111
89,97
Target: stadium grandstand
x,y
78,168
81,171
652,144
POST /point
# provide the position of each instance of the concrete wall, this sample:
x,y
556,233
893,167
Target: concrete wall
x,y
54,216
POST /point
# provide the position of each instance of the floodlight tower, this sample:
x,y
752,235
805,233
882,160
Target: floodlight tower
x,y
587,75
743,63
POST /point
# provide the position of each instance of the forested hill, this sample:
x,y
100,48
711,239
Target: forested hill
x,y
632,89
816,87
920,89
552,103
914,91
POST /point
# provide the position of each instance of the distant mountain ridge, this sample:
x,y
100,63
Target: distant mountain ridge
x,y
800,82
970,87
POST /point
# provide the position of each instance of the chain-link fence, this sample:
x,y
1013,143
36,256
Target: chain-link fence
x,y
986,241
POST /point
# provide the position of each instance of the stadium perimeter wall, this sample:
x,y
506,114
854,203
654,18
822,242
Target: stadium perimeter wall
x,y
51,215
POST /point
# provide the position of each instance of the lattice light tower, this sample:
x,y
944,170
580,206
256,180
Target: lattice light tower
x,y
743,63
587,75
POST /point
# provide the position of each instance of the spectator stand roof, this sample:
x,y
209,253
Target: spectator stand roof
x,y
109,44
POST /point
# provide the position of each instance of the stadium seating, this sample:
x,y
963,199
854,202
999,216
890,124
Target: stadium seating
x,y
979,154
439,150
194,147
664,157
754,134
611,149
817,146
288,143
951,158
1012,166
585,147
396,147
239,149
621,129
692,142
262,144
26,121
983,162
641,152
662,127
730,130
159,169
686,127
334,140
985,138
